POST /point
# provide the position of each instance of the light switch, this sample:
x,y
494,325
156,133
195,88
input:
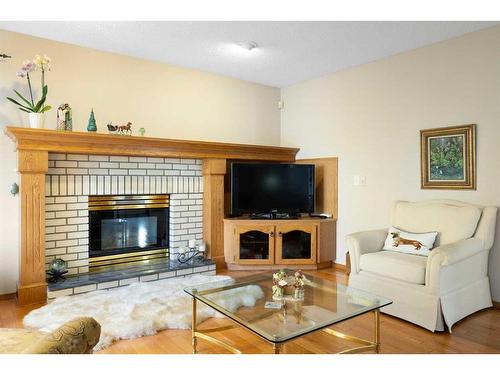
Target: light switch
x,y
359,180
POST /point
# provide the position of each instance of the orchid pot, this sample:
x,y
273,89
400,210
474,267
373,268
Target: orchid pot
x,y
37,120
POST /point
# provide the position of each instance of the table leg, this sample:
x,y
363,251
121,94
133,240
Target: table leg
x,y
193,328
377,330
277,348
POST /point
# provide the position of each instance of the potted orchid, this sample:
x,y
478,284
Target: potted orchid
x,y
35,109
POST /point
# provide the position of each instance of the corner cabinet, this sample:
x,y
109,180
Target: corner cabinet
x,y
306,243
255,244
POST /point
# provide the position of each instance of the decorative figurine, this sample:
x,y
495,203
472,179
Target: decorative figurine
x,y
57,269
120,129
64,118
142,131
279,283
112,129
92,127
288,287
14,188
299,282
125,129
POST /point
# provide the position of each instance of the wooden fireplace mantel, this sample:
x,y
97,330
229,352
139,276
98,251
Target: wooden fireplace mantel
x,y
34,145
106,144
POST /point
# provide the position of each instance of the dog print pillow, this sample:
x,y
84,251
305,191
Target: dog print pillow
x,y
410,243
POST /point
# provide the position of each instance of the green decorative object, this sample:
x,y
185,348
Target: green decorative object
x,y
14,188
92,127
57,269
142,131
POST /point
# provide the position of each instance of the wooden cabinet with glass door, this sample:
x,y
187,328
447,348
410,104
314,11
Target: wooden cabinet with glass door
x,y
296,243
267,244
254,244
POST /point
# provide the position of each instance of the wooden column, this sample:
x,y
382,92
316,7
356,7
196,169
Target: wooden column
x,y
213,208
32,287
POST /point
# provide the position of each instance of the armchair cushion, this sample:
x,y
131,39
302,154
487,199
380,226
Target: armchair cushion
x,y
453,223
404,267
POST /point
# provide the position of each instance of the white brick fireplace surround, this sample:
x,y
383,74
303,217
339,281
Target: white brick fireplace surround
x,y
72,178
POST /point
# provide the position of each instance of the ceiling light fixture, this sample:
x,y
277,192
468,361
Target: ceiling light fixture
x,y
247,45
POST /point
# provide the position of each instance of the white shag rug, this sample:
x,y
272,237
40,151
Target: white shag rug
x,y
140,309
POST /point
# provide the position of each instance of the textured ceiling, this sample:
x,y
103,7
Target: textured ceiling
x,y
288,52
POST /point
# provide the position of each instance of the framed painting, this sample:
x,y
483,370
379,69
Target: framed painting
x,y
448,157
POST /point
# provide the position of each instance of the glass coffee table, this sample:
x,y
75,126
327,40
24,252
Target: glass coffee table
x,y
325,303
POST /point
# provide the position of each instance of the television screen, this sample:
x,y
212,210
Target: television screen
x,y
266,188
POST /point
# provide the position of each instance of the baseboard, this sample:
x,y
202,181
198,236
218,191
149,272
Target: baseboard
x,y
35,293
5,297
496,304
339,267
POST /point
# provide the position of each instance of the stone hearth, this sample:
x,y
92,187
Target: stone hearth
x,y
119,277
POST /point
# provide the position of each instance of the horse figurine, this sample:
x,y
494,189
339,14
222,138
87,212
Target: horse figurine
x,y
125,129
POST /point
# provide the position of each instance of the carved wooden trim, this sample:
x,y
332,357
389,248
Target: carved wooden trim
x,y
213,208
32,287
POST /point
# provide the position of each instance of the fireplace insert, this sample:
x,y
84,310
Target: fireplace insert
x,y
127,229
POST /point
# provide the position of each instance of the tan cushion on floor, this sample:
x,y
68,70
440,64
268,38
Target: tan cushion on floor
x,y
399,266
78,336
13,341
453,223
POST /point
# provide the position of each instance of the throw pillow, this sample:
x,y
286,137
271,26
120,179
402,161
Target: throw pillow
x,y
410,243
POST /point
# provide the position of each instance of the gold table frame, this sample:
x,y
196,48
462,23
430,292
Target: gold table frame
x,y
365,345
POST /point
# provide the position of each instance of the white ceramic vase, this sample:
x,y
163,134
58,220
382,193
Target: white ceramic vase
x,y
37,120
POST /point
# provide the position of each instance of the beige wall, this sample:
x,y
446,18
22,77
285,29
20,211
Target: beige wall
x,y
168,101
370,117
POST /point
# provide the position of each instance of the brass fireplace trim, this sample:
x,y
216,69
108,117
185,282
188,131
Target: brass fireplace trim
x,y
127,259
123,202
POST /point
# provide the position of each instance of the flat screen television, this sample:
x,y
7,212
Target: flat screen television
x,y
271,188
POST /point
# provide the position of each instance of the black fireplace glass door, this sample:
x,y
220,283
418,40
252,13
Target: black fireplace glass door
x,y
127,230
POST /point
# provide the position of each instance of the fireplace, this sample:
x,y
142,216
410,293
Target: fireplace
x,y
127,230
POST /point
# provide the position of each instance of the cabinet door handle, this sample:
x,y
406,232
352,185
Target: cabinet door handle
x,y
271,234
280,234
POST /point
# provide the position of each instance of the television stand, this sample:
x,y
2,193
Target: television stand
x,y
305,243
275,216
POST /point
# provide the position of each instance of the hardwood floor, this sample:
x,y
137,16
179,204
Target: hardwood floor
x,y
478,333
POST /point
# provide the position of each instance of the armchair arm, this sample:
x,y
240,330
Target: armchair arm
x,y
460,250
449,256
360,243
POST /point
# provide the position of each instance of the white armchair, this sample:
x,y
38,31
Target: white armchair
x,y
434,291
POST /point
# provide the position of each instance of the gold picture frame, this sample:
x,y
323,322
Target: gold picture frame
x,y
448,157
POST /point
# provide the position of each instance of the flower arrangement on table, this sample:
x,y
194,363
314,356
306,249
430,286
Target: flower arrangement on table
x,y
283,282
279,283
29,105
